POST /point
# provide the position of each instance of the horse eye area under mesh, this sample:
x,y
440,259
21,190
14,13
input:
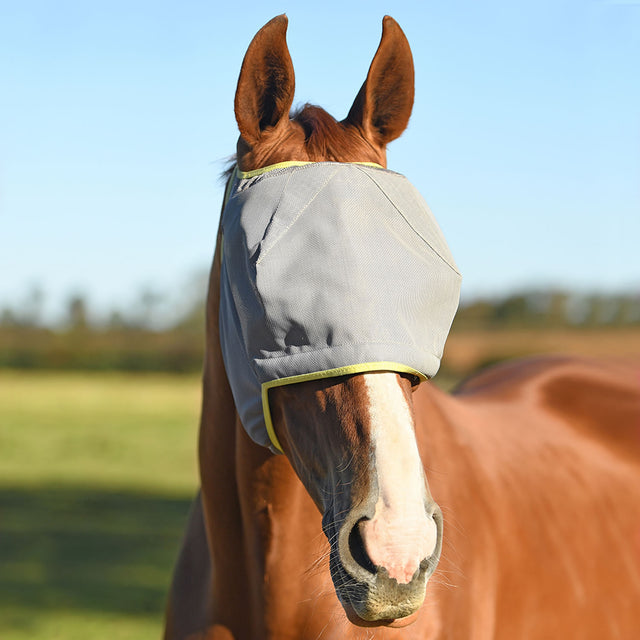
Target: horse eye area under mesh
x,y
328,269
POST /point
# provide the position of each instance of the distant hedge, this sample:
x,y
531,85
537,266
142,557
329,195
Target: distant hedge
x,y
125,350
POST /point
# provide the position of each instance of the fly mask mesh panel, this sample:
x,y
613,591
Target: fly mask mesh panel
x,y
329,265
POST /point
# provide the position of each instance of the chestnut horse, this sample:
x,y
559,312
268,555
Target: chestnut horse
x,y
535,465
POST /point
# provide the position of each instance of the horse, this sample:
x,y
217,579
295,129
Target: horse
x,y
529,524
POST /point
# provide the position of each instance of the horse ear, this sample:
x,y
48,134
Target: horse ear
x,y
266,84
383,106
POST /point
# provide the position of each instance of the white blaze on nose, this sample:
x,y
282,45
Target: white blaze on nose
x,y
401,534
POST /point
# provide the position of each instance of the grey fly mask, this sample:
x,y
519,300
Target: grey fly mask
x,y
328,269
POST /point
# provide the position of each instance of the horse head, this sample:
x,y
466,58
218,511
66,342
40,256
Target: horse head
x,y
346,425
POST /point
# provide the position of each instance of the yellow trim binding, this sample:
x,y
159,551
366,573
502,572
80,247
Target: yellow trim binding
x,y
290,163
280,165
329,373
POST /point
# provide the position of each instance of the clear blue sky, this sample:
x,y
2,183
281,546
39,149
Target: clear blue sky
x,y
116,118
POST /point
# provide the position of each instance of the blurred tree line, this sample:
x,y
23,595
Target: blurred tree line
x,y
144,337
550,310
148,338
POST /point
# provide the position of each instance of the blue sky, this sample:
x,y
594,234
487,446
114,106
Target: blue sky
x,y
116,118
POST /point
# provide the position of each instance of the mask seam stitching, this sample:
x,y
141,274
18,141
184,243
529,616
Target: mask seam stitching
x,y
408,222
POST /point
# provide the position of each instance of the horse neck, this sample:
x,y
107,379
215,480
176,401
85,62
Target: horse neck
x,y
217,426
448,445
223,441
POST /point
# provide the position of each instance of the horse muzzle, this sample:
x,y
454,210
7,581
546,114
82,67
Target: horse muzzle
x,y
373,594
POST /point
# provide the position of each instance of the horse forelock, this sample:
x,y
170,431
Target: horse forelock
x,y
327,139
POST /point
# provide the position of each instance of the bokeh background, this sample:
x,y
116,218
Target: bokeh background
x,y
116,120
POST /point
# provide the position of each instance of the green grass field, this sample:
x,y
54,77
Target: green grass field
x,y
97,473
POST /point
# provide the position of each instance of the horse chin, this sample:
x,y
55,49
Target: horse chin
x,y
395,623
373,606
372,598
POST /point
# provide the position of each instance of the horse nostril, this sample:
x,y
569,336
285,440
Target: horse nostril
x,y
356,547
432,561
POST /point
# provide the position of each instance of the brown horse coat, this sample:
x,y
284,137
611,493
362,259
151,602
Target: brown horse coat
x,y
535,464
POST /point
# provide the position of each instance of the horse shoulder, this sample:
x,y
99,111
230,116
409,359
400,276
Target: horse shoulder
x,y
598,401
